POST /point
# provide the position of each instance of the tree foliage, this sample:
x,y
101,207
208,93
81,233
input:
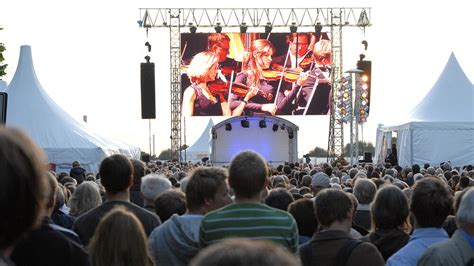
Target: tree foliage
x,y
363,147
3,67
318,152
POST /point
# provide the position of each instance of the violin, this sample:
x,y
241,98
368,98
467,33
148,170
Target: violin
x,y
289,74
239,89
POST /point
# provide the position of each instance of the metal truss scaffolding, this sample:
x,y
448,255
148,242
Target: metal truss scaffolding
x,y
177,19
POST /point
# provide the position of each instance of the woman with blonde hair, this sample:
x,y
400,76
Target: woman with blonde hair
x,y
85,197
119,240
198,99
256,60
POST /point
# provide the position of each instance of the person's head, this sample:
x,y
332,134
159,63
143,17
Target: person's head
x,y
85,197
207,189
354,201
24,186
116,173
322,52
239,251
389,209
218,44
203,67
353,172
364,190
53,187
279,181
153,185
279,198
415,169
463,182
465,212
119,239
138,171
299,43
306,181
248,174
170,202
76,164
303,212
319,181
431,202
333,206
258,58
60,198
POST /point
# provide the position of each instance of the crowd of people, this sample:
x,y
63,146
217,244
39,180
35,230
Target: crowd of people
x,y
247,213
296,83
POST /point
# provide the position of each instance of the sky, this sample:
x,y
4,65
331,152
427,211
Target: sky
x,y
87,57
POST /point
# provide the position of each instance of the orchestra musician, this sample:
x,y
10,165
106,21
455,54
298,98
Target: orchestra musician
x,y
257,59
219,44
198,98
300,46
318,78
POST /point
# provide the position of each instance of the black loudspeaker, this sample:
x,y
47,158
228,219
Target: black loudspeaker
x,y
148,90
145,157
367,157
3,108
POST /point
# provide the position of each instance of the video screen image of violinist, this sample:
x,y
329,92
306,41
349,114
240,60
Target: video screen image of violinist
x,y
231,74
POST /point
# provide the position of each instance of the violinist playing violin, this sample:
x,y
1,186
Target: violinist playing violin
x,y
318,79
198,99
219,44
300,46
256,61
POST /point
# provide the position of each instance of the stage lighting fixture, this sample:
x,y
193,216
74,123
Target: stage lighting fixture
x,y
293,27
192,28
268,28
262,124
365,78
275,127
290,134
283,126
228,126
318,28
244,123
243,27
218,27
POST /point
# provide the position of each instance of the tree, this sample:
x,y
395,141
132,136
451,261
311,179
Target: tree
x,y
2,66
318,152
363,147
165,155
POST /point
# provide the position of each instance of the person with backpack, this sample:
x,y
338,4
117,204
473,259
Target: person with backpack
x,y
333,245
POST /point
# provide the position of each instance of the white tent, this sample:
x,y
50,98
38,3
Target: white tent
x,y
440,128
201,148
63,139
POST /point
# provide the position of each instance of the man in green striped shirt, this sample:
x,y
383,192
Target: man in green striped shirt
x,y
247,217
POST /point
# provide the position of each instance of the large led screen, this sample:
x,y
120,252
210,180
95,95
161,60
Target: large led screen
x,y
255,74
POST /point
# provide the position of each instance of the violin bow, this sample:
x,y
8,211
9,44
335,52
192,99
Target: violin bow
x,y
316,82
230,91
282,74
184,50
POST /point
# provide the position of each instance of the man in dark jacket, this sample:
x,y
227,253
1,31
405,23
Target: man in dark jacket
x,y
333,245
116,174
77,172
